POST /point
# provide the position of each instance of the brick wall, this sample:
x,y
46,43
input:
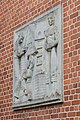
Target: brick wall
x,y
15,13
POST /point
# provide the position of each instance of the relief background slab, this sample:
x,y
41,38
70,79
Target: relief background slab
x,y
38,61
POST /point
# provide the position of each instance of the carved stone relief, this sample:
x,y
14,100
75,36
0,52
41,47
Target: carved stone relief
x,y
38,61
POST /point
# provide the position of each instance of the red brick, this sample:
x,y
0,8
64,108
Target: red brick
x,y
66,98
77,2
67,92
74,15
63,115
75,96
78,113
67,109
39,118
54,116
76,102
77,46
71,114
72,108
47,117
77,90
74,36
67,82
65,4
71,97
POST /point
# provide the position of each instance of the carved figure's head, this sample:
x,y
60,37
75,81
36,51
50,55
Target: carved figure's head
x,y
20,38
51,20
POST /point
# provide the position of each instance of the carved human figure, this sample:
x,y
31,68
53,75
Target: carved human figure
x,y
28,73
51,45
20,51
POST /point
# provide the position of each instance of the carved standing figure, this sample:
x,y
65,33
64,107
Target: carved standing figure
x,y
28,73
20,51
51,45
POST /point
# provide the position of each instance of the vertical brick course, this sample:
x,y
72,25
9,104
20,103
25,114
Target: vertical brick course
x,y
15,13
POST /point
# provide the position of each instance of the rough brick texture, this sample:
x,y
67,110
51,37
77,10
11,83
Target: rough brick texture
x,y
15,13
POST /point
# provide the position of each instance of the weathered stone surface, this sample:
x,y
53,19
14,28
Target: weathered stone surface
x,y
38,61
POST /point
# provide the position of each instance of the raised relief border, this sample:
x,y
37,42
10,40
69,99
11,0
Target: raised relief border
x,y
38,61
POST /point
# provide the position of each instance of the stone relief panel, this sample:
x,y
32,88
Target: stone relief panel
x,y
38,61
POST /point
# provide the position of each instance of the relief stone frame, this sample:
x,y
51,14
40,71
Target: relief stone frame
x,y
38,61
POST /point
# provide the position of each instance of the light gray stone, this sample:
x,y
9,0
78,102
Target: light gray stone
x,y
38,61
